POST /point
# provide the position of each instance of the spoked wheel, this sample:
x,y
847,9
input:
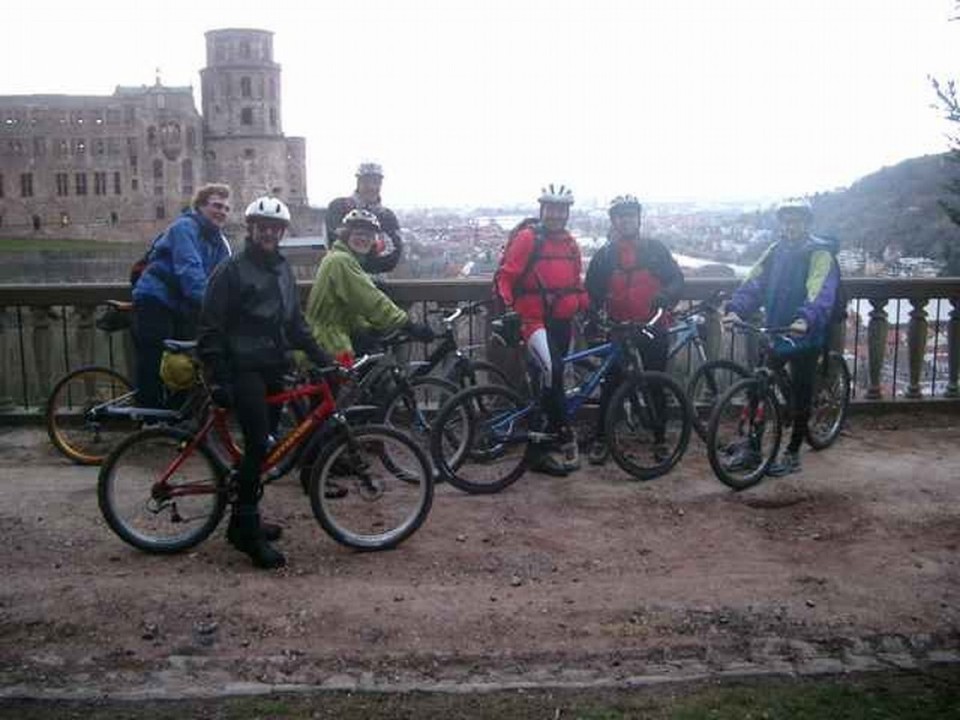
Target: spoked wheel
x,y
648,425
707,384
831,399
479,439
380,509
744,434
157,515
481,372
413,410
78,416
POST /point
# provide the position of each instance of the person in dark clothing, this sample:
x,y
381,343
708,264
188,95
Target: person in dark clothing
x,y
250,322
168,295
388,248
796,282
631,277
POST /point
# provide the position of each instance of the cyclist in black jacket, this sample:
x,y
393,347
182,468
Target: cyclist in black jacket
x,y
251,320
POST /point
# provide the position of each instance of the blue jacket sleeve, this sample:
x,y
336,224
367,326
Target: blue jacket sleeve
x,y
823,280
184,239
749,296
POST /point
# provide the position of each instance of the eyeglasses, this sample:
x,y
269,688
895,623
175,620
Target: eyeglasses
x,y
219,206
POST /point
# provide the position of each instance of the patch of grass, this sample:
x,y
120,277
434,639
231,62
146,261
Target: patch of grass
x,y
35,244
879,696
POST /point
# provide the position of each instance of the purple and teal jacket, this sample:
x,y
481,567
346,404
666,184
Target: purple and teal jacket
x,y
793,279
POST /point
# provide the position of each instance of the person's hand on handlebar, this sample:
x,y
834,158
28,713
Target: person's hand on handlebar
x,y
799,327
419,331
730,319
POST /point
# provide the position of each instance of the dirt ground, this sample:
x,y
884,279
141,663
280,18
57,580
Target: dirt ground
x,y
589,579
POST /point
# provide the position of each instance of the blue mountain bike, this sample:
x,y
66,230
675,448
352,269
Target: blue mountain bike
x,y
482,438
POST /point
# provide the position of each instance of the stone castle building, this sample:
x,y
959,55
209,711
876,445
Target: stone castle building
x,y
121,166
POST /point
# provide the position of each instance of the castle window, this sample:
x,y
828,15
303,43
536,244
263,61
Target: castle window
x,y
273,117
161,212
80,184
133,164
63,184
129,114
249,153
114,218
116,183
39,146
221,52
158,169
26,185
246,116
158,190
245,90
191,138
36,222
76,117
79,147
186,177
134,184
98,147
114,116
64,219
99,183
152,136
98,118
1,185
113,146
63,148
271,89
245,50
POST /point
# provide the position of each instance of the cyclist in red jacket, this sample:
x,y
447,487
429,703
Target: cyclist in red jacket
x,y
539,279
631,277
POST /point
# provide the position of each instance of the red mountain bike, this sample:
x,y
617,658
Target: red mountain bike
x,y
164,489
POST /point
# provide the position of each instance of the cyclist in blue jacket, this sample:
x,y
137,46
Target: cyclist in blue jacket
x,y
796,282
168,295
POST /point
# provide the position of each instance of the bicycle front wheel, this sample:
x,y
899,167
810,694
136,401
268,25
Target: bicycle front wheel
x,y
707,384
648,425
479,440
483,372
157,515
78,413
388,483
831,400
744,433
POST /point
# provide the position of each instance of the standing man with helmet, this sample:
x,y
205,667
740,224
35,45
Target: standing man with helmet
x,y
539,279
168,294
386,252
251,320
631,277
344,302
796,281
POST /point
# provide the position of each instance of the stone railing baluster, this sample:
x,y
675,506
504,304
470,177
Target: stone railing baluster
x,y
917,344
6,365
86,337
42,349
876,345
953,349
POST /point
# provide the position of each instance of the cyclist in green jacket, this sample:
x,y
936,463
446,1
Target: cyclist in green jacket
x,y
344,301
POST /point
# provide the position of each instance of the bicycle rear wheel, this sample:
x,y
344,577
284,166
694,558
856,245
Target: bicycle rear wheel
x,y
707,384
157,517
647,425
744,433
482,372
479,440
413,410
381,509
831,400
78,416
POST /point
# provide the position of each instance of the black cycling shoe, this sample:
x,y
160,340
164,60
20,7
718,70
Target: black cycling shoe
x,y
546,463
787,464
246,535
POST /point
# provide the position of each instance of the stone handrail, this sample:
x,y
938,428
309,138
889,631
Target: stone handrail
x,y
46,330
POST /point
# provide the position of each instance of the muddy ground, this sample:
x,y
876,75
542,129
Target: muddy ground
x,y
583,581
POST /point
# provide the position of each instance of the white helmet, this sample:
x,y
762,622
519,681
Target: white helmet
x,y
561,195
361,218
622,203
798,205
369,168
268,208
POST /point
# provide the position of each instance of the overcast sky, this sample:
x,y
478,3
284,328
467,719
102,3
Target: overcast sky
x,y
480,102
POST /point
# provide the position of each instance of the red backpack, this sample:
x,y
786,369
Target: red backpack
x,y
499,305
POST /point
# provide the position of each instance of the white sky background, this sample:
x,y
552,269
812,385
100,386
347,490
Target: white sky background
x,y
482,102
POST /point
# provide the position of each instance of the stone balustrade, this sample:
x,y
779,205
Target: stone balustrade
x,y
902,338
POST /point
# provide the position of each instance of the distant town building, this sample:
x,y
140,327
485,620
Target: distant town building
x,y
121,166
